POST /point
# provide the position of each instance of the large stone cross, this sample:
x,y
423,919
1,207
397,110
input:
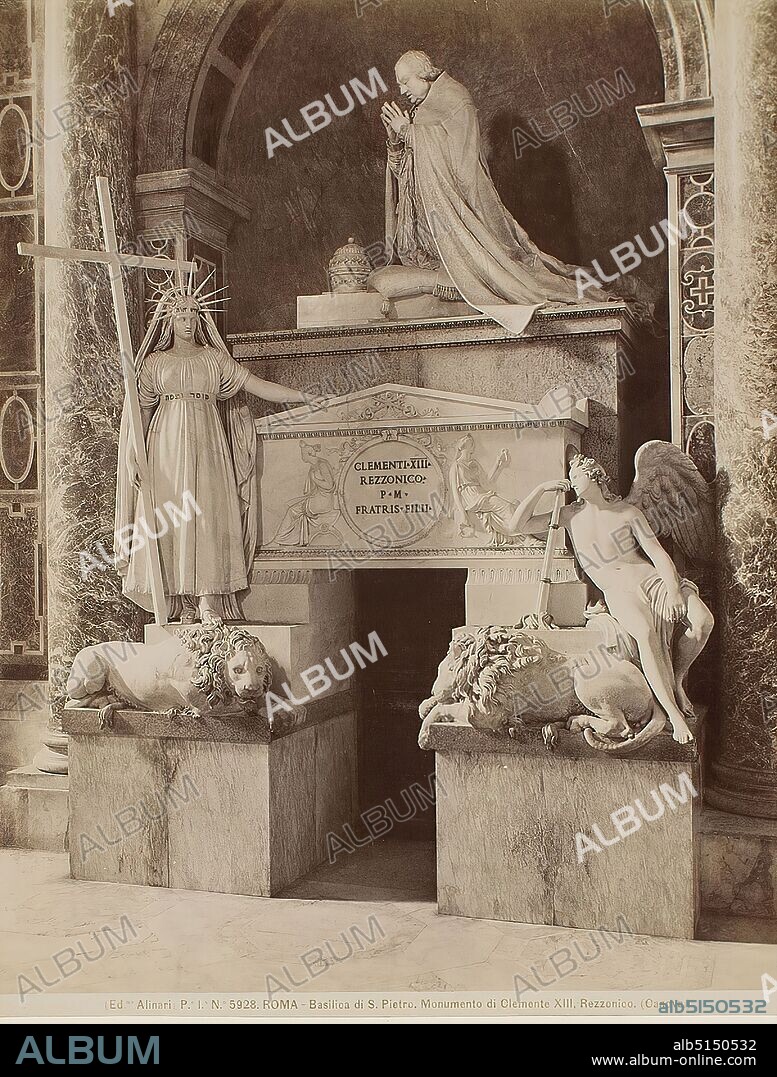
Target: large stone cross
x,y
111,256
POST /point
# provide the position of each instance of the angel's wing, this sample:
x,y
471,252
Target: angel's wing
x,y
675,497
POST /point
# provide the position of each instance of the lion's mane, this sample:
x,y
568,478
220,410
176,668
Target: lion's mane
x,y
496,666
214,644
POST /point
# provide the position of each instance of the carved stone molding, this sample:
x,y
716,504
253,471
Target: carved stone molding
x,y
200,206
680,134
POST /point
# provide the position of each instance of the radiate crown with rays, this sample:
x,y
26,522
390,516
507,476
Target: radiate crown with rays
x,y
169,299
172,298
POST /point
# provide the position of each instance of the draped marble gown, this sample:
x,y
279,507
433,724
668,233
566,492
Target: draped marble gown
x,y
189,459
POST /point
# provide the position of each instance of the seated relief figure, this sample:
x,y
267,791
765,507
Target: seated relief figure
x,y
474,498
618,549
444,219
313,515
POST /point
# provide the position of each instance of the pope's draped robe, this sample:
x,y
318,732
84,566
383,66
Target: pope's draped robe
x,y
443,211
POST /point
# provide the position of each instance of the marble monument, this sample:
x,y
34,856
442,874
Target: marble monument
x,y
571,658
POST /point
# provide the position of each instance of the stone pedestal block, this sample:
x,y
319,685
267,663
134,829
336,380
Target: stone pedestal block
x,y
290,596
739,865
504,594
208,804
508,816
24,714
330,308
591,351
362,308
33,810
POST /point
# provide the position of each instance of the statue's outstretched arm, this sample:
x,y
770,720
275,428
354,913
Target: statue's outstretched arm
x,y
524,521
501,461
270,390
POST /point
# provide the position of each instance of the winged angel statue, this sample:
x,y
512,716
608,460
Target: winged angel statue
x,y
656,612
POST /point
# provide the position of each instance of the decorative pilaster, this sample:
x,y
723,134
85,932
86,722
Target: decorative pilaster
x,y
84,47
744,770
22,553
681,139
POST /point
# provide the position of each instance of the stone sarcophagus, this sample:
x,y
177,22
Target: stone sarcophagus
x,y
397,476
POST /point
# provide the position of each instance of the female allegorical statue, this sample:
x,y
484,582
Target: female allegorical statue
x,y
202,452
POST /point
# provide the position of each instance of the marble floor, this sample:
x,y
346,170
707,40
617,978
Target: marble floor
x,y
191,941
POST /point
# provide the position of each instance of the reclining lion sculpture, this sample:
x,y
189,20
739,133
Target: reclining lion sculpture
x,y
207,669
497,678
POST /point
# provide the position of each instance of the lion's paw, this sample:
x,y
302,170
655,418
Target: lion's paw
x,y
549,736
105,715
183,712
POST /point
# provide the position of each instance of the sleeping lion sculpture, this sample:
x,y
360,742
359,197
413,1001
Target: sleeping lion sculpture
x,y
497,679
